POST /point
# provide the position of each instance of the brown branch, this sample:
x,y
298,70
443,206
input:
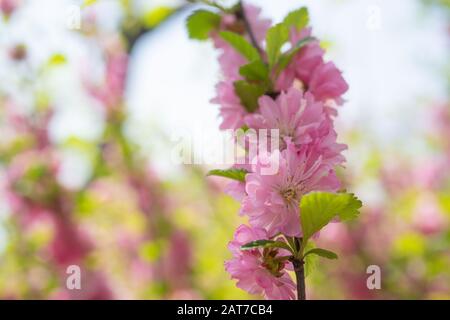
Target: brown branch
x,y
299,268
242,15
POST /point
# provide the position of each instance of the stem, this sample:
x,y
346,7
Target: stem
x,y
248,27
299,268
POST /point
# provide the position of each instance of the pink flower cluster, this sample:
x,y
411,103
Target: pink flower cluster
x,y
259,271
302,108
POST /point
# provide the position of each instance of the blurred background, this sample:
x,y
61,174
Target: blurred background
x,y
96,95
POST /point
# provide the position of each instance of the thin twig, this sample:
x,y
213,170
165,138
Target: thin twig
x,y
248,27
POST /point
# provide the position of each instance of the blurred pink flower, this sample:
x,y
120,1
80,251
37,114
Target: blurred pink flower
x,y
295,115
231,110
429,174
337,235
111,91
259,271
177,261
272,200
305,61
69,245
322,79
7,7
327,82
428,217
229,59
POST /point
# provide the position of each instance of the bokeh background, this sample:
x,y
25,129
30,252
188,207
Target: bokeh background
x,y
95,96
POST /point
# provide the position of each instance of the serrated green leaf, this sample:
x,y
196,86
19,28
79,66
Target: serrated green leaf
x,y
265,244
322,253
319,208
276,37
235,174
255,71
298,18
241,45
249,94
200,23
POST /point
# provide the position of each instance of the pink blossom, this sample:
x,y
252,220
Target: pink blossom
x,y
236,189
259,271
272,200
295,115
230,60
322,79
327,82
231,110
303,64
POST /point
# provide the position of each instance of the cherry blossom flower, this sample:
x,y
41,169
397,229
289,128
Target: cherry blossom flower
x,y
295,115
259,271
272,200
231,110
322,79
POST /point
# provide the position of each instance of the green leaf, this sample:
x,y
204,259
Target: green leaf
x,y
265,244
286,58
311,260
241,45
322,253
200,23
235,174
255,71
249,94
276,37
319,208
298,19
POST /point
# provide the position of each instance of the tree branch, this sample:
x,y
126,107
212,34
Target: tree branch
x,y
299,268
241,14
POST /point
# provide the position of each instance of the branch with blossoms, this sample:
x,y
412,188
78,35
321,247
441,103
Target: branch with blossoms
x,y
276,80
